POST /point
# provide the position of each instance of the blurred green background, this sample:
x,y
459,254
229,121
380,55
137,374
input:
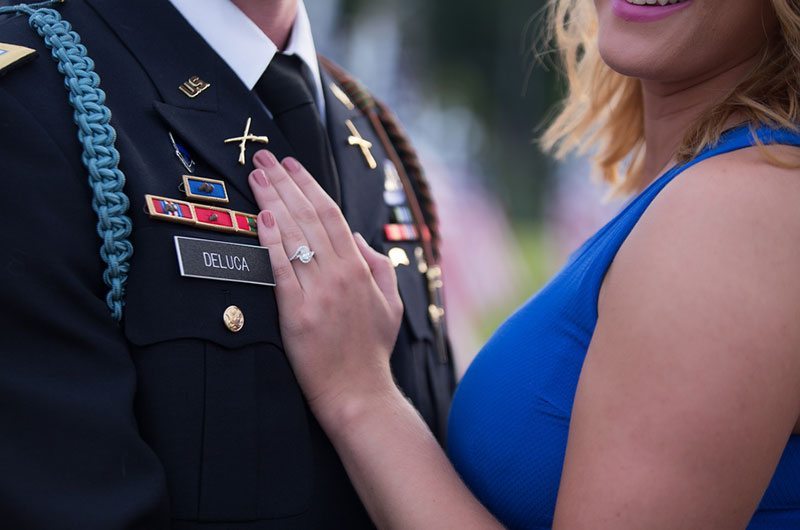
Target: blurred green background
x,y
480,55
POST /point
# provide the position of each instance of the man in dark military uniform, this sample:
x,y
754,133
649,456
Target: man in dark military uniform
x,y
184,413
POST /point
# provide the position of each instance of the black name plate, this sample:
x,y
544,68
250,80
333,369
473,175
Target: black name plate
x,y
219,260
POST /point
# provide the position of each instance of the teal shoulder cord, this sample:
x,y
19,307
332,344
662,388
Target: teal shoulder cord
x,y
97,137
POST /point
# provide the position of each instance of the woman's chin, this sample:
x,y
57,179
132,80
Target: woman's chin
x,y
641,64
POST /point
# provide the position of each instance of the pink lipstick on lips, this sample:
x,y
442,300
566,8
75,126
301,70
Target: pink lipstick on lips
x,y
645,13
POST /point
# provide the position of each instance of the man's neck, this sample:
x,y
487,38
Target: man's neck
x,y
274,17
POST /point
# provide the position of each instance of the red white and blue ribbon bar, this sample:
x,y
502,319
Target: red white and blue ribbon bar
x,y
201,215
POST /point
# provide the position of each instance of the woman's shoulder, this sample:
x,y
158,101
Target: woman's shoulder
x,y
746,177
727,227
748,197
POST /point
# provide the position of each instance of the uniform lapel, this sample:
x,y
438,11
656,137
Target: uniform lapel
x,y
362,187
171,53
205,133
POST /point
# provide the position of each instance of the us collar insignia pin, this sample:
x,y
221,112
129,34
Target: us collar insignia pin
x,y
13,55
193,87
183,154
243,139
204,189
356,140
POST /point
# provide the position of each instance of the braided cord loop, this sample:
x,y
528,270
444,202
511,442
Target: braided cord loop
x,y
97,137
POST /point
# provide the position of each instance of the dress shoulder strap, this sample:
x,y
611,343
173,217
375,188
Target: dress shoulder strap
x,y
731,140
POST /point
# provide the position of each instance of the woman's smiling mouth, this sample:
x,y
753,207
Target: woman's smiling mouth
x,y
654,2
647,10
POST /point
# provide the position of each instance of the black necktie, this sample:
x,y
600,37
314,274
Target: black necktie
x,y
285,89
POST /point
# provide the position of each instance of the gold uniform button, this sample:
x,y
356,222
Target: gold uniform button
x,y
422,265
233,318
436,313
398,257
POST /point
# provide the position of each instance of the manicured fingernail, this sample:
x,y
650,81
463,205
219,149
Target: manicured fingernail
x,y
260,177
265,158
267,219
291,165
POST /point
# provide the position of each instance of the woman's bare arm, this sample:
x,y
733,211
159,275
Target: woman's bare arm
x,y
691,386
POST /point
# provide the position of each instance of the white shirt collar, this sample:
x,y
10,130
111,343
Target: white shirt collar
x,y
241,44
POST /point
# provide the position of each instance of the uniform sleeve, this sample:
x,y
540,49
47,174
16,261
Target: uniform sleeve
x,y
70,452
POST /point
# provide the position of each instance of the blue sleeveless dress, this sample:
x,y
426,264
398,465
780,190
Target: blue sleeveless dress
x,y
511,412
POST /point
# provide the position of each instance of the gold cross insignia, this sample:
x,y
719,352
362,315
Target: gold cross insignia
x,y
243,139
194,86
357,140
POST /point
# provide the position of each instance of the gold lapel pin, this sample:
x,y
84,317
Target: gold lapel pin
x,y
194,86
341,96
355,139
246,137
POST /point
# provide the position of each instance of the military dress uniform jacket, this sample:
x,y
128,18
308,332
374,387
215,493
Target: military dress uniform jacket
x,y
167,419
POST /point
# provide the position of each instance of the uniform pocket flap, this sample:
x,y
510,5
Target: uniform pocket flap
x,y
162,305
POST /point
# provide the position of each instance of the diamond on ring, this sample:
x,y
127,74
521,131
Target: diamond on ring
x,y
303,253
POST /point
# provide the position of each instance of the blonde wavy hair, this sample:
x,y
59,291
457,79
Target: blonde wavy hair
x,y
603,111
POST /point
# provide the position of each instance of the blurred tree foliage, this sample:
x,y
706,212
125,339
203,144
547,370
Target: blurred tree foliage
x,y
481,54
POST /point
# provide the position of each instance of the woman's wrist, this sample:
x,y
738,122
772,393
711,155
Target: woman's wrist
x,y
345,412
